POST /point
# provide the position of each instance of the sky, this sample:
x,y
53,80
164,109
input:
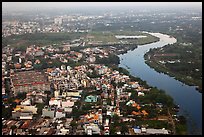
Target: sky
x,y
36,5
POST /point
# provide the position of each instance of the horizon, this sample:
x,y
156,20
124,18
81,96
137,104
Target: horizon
x,y
20,6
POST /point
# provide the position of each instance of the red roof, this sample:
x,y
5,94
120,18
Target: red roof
x,y
26,124
34,83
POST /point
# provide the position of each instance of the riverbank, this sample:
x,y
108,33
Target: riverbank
x,y
186,96
162,69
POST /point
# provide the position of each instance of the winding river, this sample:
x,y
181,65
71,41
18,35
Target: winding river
x,y
189,100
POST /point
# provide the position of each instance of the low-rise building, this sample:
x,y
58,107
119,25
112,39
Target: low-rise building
x,y
48,112
91,98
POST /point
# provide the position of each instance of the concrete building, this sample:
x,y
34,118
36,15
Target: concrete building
x,y
49,112
27,81
67,103
60,113
55,101
91,98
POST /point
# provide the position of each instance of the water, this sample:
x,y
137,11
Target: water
x,y
189,99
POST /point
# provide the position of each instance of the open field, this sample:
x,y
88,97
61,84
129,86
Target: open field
x,y
91,38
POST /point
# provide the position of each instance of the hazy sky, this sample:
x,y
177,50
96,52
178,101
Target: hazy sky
x,y
34,5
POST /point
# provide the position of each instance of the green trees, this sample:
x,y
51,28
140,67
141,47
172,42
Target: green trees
x,y
40,106
21,95
159,96
188,50
124,128
112,59
6,112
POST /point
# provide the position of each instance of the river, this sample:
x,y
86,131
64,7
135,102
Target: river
x,y
188,98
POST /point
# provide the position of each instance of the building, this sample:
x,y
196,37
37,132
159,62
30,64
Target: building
x,y
39,53
55,101
66,48
91,98
60,113
27,81
91,59
48,112
67,103
24,112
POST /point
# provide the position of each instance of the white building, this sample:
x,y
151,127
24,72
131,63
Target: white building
x,y
54,101
49,112
60,113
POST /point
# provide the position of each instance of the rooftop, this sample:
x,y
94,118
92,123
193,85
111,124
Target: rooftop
x,y
28,77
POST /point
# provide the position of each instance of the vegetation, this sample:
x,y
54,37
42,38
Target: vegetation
x,y
181,126
21,95
40,107
6,112
112,59
22,41
188,62
188,48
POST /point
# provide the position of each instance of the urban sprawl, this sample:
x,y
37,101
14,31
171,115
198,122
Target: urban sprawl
x,y
85,98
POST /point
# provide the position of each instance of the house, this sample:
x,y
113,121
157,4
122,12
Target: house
x,y
73,93
17,65
91,59
153,131
66,48
64,131
55,101
140,94
36,97
91,129
91,98
39,53
60,113
18,114
49,112
37,61
26,102
67,103
22,110
68,110
29,80
56,93
134,84
137,130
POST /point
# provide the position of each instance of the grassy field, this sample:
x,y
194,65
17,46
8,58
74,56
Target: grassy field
x,y
101,37
96,37
107,37
40,39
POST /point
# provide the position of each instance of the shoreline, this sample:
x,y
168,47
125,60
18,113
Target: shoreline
x,y
173,75
151,68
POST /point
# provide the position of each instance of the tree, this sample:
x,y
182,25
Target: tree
x,y
13,127
21,95
6,112
115,120
73,124
40,106
124,128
